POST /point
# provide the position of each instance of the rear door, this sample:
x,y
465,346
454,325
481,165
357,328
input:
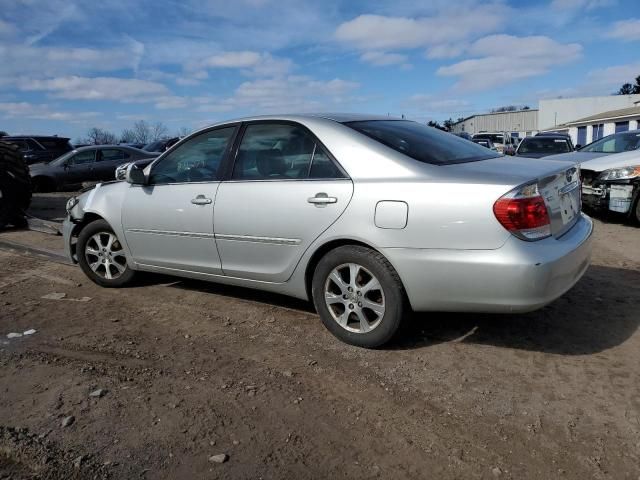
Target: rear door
x,y
285,189
107,161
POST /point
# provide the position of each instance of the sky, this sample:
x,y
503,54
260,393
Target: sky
x,y
68,65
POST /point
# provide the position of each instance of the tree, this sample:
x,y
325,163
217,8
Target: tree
x,y
98,136
183,132
434,124
143,132
448,124
629,88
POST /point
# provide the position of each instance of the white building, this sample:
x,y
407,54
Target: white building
x,y
521,123
559,111
588,129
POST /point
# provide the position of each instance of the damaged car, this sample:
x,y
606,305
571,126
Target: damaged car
x,y
612,183
367,217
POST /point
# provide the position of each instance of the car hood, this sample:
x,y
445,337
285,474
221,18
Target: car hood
x,y
575,157
532,155
36,167
616,160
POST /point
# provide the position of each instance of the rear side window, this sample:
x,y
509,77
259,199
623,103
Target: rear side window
x,y
274,151
113,154
422,143
55,143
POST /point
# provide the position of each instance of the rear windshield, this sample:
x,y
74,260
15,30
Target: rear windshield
x,y
422,143
494,137
546,145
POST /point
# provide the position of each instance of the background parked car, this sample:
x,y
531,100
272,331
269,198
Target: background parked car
x,y
161,145
544,145
502,141
609,145
485,142
40,148
84,164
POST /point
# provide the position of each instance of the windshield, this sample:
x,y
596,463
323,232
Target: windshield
x,y
544,145
494,137
62,158
422,143
616,143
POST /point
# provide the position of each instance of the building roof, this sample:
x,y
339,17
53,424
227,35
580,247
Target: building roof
x,y
488,114
609,115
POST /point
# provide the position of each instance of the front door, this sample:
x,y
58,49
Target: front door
x,y
168,223
78,168
284,191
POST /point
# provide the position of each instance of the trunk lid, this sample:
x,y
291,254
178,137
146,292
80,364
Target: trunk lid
x,y
558,183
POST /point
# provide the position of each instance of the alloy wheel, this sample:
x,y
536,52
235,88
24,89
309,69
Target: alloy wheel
x,y
354,298
105,256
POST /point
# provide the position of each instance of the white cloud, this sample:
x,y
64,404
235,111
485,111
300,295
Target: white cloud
x,y
292,93
377,32
581,4
98,88
249,62
41,112
381,59
627,30
427,103
446,50
506,59
612,78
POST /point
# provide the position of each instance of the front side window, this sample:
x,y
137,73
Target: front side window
x,y
113,154
83,158
196,160
273,151
422,143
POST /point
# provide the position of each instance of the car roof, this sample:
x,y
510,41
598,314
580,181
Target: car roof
x,y
336,117
16,137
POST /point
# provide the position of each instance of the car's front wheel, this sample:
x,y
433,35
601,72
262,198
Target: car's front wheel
x,y
359,296
102,257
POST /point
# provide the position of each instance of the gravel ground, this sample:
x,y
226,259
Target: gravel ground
x,y
191,370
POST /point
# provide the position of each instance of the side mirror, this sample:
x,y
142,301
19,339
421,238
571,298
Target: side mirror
x,y
135,176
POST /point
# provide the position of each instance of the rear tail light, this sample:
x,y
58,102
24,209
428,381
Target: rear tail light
x,y
523,212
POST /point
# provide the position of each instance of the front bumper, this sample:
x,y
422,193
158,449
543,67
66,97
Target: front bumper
x,y
518,277
616,196
67,234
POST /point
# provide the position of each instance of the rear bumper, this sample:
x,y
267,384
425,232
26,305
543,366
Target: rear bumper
x,y
518,277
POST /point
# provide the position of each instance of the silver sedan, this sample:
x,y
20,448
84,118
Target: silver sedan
x,y
368,217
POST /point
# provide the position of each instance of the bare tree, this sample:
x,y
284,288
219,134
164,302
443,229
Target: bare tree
x,y
128,136
142,132
159,130
99,136
183,132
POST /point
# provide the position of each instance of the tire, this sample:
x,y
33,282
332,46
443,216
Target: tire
x,y
15,185
383,308
104,262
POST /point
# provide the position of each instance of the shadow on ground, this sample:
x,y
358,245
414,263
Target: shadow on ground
x,y
599,313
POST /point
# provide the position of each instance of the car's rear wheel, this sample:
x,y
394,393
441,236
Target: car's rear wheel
x,y
101,256
359,296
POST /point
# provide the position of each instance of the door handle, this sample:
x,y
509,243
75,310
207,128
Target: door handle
x,y
322,199
201,200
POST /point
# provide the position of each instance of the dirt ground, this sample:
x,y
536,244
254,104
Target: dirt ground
x,y
190,370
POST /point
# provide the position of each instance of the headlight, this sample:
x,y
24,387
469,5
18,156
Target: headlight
x,y
72,202
624,173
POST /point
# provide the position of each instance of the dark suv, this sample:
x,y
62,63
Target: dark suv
x,y
36,149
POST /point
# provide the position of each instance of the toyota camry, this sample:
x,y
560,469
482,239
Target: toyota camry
x,y
368,217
